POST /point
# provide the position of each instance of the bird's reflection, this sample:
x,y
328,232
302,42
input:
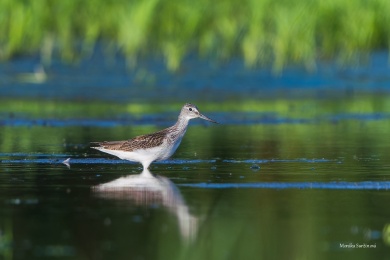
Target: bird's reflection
x,y
149,189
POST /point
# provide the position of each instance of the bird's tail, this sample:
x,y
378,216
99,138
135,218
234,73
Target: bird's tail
x,y
95,145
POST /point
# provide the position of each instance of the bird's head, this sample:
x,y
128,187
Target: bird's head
x,y
190,111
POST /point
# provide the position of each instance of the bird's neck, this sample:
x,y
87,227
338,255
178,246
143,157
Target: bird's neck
x,y
177,131
181,123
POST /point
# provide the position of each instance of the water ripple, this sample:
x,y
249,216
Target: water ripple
x,y
31,160
305,160
19,158
365,185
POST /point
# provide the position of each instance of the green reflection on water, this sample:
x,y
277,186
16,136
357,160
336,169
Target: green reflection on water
x,y
292,108
6,238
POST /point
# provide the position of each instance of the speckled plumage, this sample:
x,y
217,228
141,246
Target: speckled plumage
x,y
156,146
139,142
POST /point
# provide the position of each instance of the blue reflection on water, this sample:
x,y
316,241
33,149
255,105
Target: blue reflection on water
x,y
232,119
206,80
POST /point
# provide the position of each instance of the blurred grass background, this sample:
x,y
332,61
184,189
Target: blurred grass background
x,y
276,32
303,108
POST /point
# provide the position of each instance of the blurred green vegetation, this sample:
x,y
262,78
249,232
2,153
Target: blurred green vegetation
x,y
261,31
291,108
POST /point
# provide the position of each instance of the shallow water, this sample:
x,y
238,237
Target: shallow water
x,y
282,177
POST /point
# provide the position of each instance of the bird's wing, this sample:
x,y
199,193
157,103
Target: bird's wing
x,y
139,142
113,145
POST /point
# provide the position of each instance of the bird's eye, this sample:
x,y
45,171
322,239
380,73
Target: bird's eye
x,y
190,109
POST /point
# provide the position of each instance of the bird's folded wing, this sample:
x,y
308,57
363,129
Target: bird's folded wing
x,y
139,142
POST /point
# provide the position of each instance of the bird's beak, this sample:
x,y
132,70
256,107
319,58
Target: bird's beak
x,y
206,118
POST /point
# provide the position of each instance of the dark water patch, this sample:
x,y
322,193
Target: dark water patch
x,y
55,251
24,201
366,185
